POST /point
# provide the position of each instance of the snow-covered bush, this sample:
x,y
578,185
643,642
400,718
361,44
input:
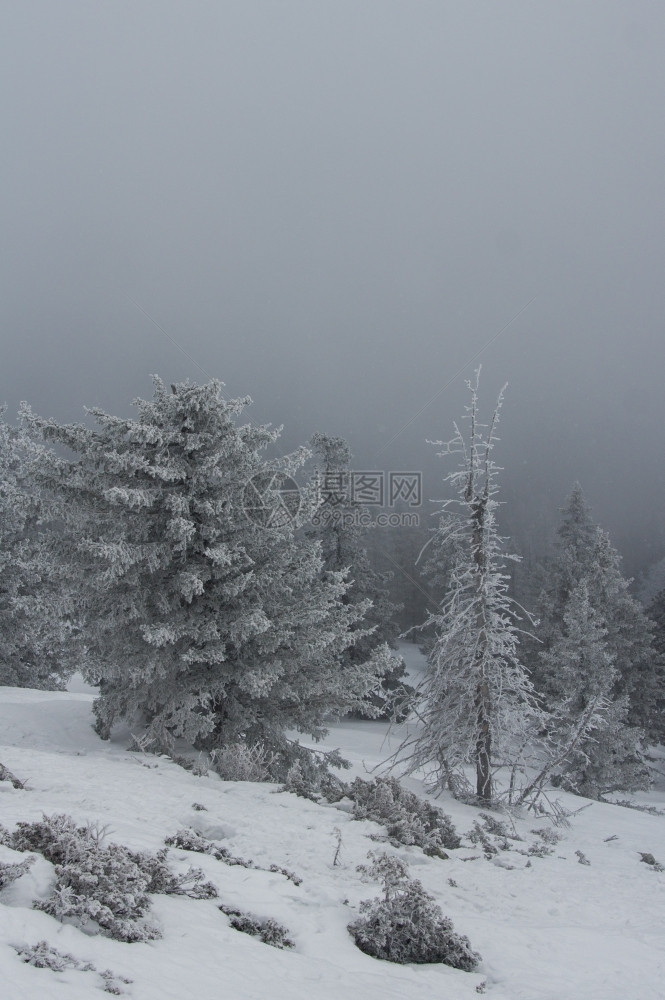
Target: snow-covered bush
x,y
190,840
408,819
10,873
43,956
492,834
161,879
105,887
266,930
108,885
56,837
242,762
406,924
6,775
308,772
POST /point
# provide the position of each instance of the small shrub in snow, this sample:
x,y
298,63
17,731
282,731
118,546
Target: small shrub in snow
x,y
112,982
408,819
649,859
56,837
548,836
106,885
307,772
268,931
492,835
242,762
406,925
6,775
497,827
477,835
9,873
43,956
162,880
539,850
189,840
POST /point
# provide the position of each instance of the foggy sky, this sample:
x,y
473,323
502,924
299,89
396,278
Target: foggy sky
x,y
334,206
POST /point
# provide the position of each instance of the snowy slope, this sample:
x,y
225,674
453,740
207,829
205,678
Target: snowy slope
x,y
549,930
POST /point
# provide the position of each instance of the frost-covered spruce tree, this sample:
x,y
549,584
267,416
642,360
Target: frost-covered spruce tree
x,y
578,663
584,553
37,637
479,706
340,524
205,613
609,755
656,613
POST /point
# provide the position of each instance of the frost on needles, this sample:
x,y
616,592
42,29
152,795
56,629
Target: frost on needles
x,y
478,704
207,623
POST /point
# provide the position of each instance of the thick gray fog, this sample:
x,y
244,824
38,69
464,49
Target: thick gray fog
x,y
336,206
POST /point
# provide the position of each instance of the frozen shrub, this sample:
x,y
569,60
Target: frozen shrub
x,y
478,835
539,850
108,885
649,859
492,835
242,762
548,836
104,886
42,956
544,846
162,880
307,772
112,982
9,873
268,931
6,775
408,819
189,840
56,837
405,924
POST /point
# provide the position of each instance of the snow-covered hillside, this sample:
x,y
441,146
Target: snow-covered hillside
x,y
548,928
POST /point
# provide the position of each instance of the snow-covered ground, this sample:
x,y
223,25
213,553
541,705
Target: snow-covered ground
x,y
547,928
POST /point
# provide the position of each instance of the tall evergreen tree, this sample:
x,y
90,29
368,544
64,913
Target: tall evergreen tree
x,y
38,646
584,554
656,695
340,524
205,612
478,702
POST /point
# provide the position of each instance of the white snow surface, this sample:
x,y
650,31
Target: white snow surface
x,y
551,930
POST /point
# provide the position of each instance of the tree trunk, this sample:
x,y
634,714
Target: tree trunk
x,y
483,704
483,744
